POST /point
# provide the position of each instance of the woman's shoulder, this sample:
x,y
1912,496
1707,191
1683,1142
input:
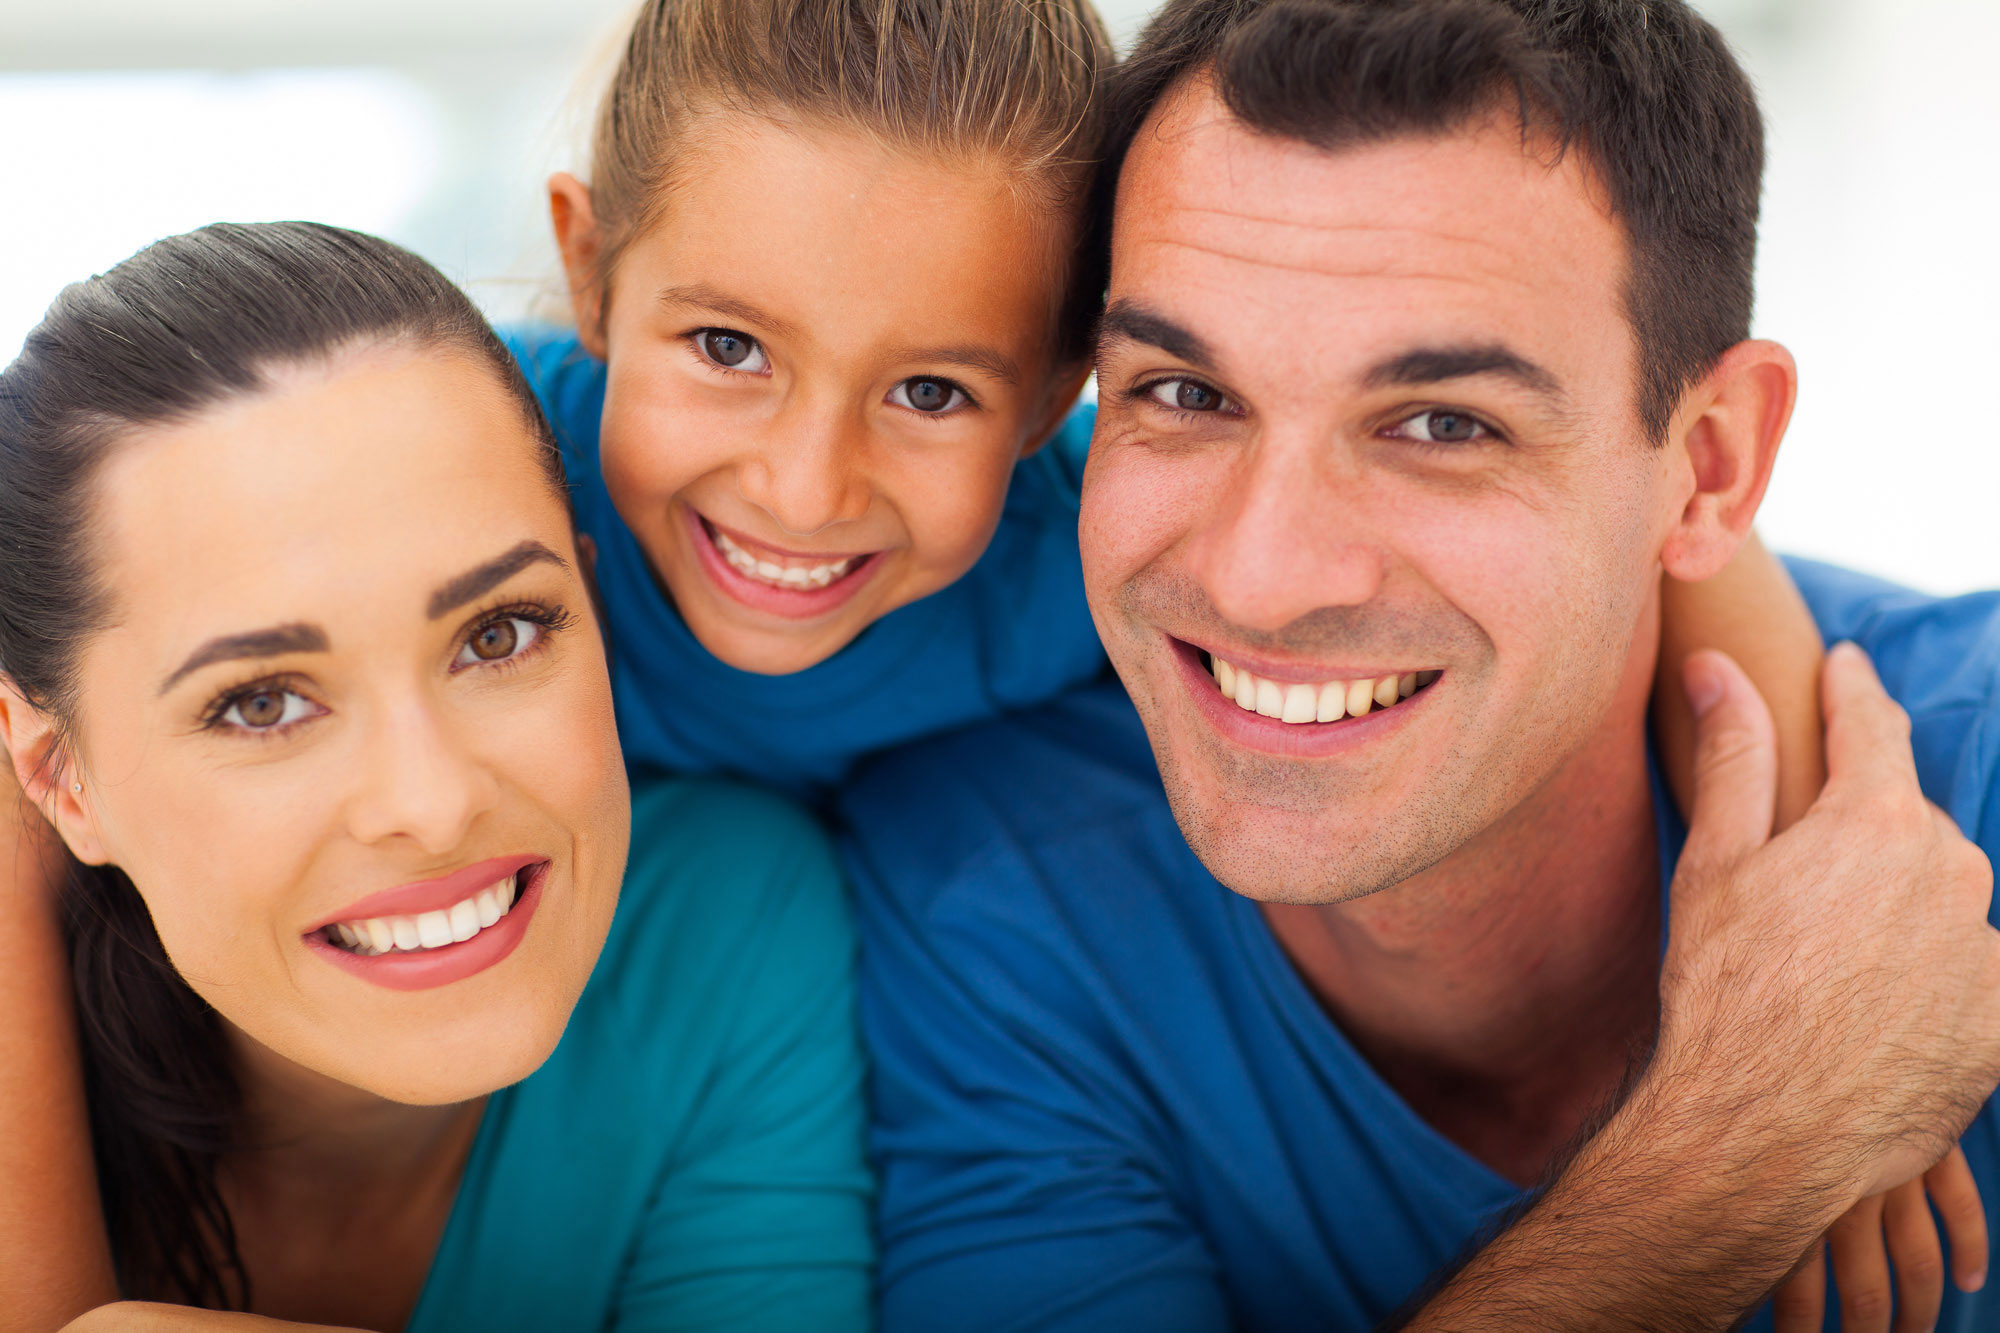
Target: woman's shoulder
x,y
730,890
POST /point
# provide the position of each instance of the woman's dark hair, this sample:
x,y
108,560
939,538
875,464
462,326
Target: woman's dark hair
x,y
1646,88
183,326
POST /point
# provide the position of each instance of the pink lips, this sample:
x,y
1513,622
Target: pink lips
x,y
424,969
790,603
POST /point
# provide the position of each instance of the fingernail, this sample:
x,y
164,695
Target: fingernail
x,y
1704,687
1976,1281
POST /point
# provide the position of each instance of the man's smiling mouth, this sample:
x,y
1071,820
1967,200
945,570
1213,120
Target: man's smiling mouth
x,y
1300,703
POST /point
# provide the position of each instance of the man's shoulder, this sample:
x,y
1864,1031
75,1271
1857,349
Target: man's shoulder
x,y
1017,789
1939,657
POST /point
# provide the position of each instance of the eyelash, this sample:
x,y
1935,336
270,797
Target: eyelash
x,y
1490,433
692,340
1142,394
550,620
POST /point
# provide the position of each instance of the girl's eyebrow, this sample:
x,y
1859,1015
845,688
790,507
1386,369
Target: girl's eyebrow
x,y
991,360
701,296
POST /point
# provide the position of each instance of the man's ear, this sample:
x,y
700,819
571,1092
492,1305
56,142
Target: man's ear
x,y
47,775
581,243
1062,397
1727,432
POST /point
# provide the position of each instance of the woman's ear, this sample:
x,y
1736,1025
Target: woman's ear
x,y
1728,430
581,243
51,781
1062,398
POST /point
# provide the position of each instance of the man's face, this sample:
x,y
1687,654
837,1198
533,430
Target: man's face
x,y
1366,414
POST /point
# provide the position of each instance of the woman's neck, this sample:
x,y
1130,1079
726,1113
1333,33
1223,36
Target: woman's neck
x,y
338,1196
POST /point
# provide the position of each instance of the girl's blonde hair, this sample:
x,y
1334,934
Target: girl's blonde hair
x,y
1020,82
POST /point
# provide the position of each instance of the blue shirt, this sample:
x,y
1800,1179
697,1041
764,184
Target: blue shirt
x,y
690,1157
1104,1097
1012,633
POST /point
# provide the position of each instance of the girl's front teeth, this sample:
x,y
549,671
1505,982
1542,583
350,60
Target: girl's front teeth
x,y
775,574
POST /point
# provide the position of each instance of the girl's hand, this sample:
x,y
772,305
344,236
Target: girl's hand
x,y
1892,1228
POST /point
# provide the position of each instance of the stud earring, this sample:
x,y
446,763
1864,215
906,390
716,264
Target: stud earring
x,y
76,786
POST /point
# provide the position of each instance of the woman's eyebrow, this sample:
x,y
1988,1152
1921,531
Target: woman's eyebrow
x,y
482,579
273,642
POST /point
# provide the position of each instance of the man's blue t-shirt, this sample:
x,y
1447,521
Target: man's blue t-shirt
x,y
1012,633
1104,1098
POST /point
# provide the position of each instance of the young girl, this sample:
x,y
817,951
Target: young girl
x,y
832,308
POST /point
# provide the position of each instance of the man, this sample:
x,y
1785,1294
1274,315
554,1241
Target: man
x,y
1426,351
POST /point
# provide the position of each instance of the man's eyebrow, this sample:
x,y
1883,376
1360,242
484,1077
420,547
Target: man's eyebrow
x,y
273,642
482,579
701,296
989,359
1432,365
1128,321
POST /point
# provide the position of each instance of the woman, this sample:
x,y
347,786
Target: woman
x,y
301,665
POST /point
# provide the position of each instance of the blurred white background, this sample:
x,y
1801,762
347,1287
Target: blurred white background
x,y
435,121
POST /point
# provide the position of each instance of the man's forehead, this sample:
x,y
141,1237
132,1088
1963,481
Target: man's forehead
x,y
1473,216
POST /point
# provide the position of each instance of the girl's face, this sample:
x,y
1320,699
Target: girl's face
x,y
825,360
349,729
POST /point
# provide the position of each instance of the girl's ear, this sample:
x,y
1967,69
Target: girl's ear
x,y
47,776
581,243
1062,398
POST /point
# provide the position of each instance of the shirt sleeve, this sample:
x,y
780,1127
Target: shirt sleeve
x,y
1021,1184
762,1219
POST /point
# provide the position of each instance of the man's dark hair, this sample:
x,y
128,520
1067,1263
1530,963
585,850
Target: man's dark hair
x,y
1647,89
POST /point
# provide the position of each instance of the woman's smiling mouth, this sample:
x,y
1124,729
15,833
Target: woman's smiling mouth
x,y
438,931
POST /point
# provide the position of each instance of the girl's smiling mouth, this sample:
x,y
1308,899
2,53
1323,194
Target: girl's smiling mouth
x,y
796,586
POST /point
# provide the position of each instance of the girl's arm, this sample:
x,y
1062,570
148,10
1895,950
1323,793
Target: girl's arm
x,y
1752,612
55,1262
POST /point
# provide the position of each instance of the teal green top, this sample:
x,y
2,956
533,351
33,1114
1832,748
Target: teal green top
x,y
690,1157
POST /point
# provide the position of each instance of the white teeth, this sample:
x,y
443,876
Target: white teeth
x,y
1328,701
428,930
783,576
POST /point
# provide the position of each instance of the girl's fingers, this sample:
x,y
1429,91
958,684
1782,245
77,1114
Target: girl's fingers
x,y
1956,1197
1799,1304
1914,1250
1861,1268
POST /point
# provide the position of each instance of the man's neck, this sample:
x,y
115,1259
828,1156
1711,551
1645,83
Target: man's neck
x,y
1506,992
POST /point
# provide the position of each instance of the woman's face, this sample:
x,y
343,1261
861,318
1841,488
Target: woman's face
x,y
352,698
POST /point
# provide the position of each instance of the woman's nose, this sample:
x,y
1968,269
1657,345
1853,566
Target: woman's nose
x,y
421,780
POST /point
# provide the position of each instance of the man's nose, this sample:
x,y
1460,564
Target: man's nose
x,y
1290,533
421,779
808,471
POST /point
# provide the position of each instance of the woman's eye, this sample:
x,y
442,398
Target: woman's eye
x,y
924,394
262,710
498,640
1186,396
733,351
1442,426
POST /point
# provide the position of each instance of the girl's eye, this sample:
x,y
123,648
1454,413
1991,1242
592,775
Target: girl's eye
x,y
733,351
266,709
925,394
1186,396
1442,426
498,640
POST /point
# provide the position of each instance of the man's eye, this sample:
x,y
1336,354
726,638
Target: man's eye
x,y
732,350
1442,426
263,710
498,640
933,397
1186,396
